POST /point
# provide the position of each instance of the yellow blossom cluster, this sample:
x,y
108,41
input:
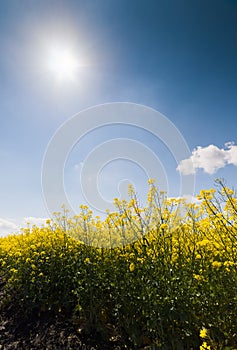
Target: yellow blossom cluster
x,y
146,254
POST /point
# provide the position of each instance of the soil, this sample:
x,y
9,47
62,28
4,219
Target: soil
x,y
46,332
49,332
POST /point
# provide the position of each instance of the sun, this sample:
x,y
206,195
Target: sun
x,y
63,63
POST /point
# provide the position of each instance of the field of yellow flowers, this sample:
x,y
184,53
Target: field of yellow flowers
x,y
162,276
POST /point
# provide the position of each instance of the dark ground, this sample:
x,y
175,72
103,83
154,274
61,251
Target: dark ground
x,y
48,332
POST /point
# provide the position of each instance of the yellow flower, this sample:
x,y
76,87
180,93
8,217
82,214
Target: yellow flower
x,y
87,260
164,226
228,263
130,189
203,333
13,270
203,242
198,277
204,346
132,267
151,181
217,264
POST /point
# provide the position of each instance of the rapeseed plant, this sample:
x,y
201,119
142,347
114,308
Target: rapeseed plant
x,y
157,272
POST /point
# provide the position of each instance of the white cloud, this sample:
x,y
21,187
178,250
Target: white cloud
x,y
186,167
189,198
34,221
7,227
210,159
231,153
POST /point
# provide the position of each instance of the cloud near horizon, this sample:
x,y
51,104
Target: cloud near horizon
x,y
209,158
9,226
31,220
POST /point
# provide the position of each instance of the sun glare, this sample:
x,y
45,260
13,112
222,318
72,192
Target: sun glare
x,y
62,62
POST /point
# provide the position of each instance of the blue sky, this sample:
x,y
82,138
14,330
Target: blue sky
x,y
177,57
